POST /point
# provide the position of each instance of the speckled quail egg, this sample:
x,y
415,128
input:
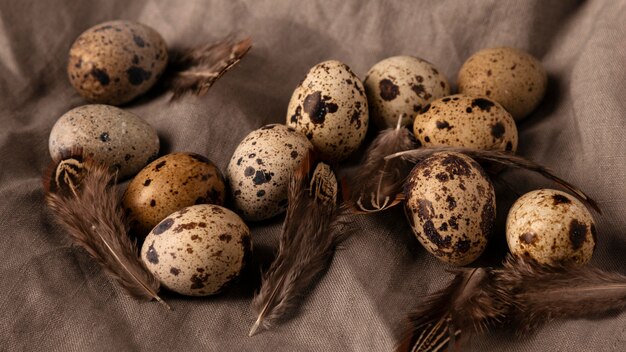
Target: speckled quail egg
x,y
198,250
259,170
107,134
402,85
509,76
464,121
450,204
114,62
330,107
170,183
551,226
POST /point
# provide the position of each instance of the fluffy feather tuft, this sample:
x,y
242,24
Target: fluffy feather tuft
x,y
377,184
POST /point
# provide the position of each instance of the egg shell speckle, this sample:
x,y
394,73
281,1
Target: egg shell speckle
x,y
509,76
114,62
465,121
107,134
198,250
450,204
259,170
551,226
170,183
402,85
330,107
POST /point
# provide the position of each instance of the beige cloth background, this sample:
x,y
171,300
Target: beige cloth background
x,y
53,297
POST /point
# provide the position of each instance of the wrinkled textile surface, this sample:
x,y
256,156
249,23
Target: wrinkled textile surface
x,y
53,297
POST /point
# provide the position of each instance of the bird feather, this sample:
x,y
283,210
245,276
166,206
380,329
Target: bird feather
x,y
377,184
83,198
311,231
194,70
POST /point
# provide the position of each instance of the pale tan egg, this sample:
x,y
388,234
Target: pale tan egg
x,y
330,107
451,205
198,250
509,76
551,226
402,85
464,121
114,62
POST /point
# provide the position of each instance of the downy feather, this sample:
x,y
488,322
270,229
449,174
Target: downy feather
x,y
377,184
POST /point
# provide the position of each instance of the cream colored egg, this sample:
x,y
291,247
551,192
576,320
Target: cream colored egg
x,y
551,226
170,183
451,205
114,62
402,85
259,170
465,121
330,107
198,250
509,76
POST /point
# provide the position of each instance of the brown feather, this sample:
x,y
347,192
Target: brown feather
x,y
308,238
506,159
541,293
522,295
377,184
82,196
193,71
470,304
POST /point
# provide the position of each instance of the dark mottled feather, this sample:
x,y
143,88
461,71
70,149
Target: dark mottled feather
x,y
308,238
195,70
470,304
82,196
377,184
506,159
522,295
541,293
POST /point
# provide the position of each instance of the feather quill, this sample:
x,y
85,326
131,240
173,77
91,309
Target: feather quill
x,y
523,295
506,159
309,235
193,71
378,182
82,196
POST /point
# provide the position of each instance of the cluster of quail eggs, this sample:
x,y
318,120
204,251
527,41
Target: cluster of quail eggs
x,y
450,201
175,203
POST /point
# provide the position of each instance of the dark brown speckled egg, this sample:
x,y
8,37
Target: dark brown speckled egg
x,y
168,184
551,226
402,85
259,170
198,250
466,121
330,107
451,205
114,62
